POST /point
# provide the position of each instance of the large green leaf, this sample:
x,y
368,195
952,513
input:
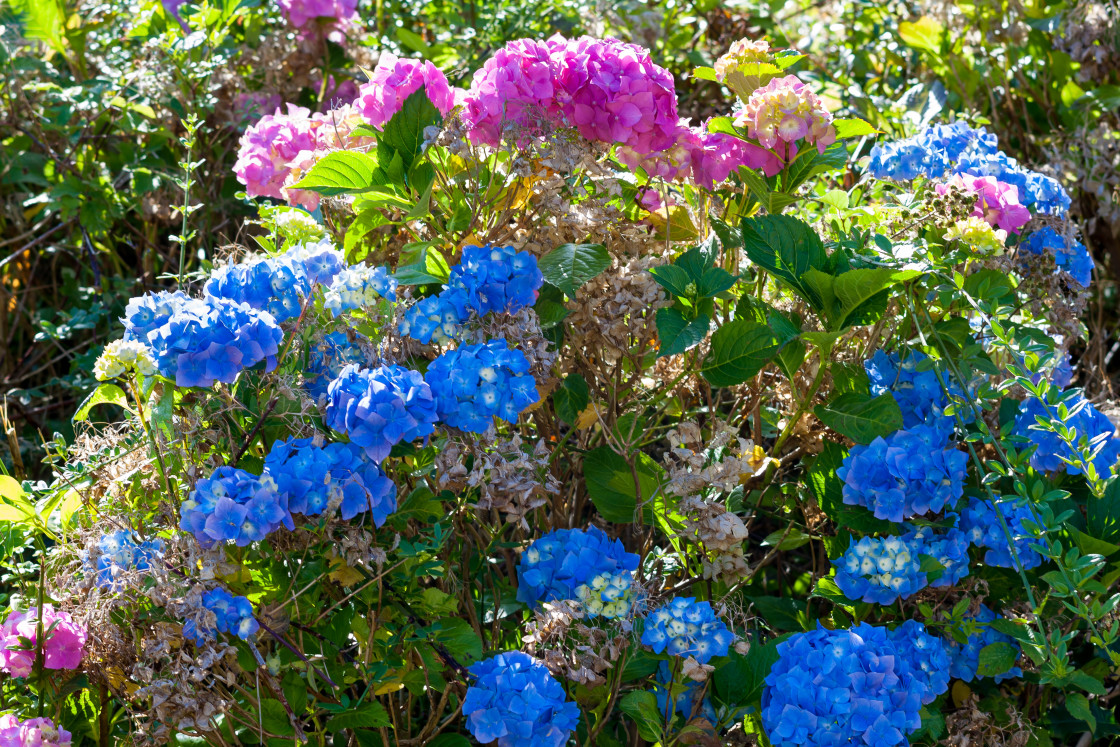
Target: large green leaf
x,y
677,333
787,248
105,394
860,417
739,683
610,482
404,133
571,398
343,172
569,266
642,707
371,715
997,658
1104,513
856,290
740,349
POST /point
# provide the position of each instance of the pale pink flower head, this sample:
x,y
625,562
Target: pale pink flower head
x,y
996,202
394,80
674,162
35,732
63,648
784,112
268,148
514,87
333,16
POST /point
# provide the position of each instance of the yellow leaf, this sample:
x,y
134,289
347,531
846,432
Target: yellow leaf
x,y
961,693
588,417
342,572
925,33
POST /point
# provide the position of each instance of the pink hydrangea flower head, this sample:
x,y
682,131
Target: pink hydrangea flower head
x,y
670,163
612,92
996,202
783,112
35,732
268,147
394,80
715,155
514,87
305,13
63,648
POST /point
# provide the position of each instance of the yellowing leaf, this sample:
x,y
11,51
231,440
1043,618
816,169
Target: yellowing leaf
x,y
343,573
588,418
924,33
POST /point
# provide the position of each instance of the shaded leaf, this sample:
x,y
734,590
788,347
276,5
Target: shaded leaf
x,y
569,266
860,417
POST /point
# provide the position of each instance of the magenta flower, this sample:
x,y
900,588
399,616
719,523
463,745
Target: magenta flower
x,y
783,112
715,155
34,732
996,202
333,16
394,80
269,147
514,87
63,648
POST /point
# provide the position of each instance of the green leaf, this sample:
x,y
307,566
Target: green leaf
x,y
404,133
1088,682
740,349
782,613
739,683
371,715
855,288
997,658
1078,706
1104,513
811,162
343,172
449,740
105,394
860,417
675,279
569,266
571,398
458,636
42,20
846,128
705,73
925,33
787,248
610,482
641,706
678,334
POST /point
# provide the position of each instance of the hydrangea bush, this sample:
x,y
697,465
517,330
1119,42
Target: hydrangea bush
x,y
543,415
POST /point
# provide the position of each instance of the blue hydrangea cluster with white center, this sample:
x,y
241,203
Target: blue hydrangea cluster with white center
x,y
1070,256
474,383
199,341
882,570
908,473
965,659
235,616
320,259
233,505
607,595
433,318
277,285
312,478
486,279
688,704
983,528
964,150
496,279
515,701
919,393
561,562
378,408
118,552
686,627
326,359
863,686
358,287
1087,422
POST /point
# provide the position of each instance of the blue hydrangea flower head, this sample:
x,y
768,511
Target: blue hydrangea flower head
x,y
1087,422
326,359
496,278
929,153
515,701
881,570
378,408
965,659
981,525
688,704
439,318
199,341
312,478
1070,256
908,473
560,563
919,393
320,259
685,627
861,686
608,595
234,616
948,547
359,287
118,552
277,285
1041,193
474,383
233,505
927,655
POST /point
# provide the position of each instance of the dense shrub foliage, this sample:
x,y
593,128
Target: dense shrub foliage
x,y
656,382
